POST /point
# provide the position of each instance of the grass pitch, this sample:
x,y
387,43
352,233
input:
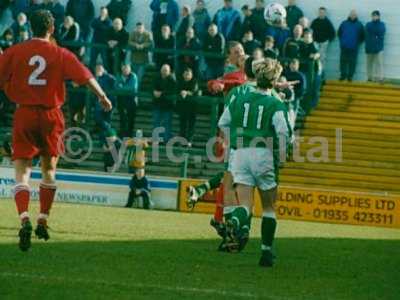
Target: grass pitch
x,y
112,253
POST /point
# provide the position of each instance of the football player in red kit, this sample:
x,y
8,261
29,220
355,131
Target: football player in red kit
x,y
32,74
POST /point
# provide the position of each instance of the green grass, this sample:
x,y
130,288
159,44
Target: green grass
x,y
112,253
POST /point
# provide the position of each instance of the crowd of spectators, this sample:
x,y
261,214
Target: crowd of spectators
x,y
189,47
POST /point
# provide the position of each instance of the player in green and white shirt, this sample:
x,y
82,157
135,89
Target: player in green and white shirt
x,y
257,125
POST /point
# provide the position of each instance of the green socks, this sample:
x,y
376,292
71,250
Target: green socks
x,y
216,181
268,229
240,216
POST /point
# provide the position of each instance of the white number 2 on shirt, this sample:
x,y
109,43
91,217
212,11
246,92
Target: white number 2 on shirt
x,y
246,115
40,62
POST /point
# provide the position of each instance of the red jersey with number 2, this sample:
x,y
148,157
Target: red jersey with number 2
x,y
33,73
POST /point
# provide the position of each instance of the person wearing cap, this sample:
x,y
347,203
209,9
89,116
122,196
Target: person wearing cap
x,y
374,44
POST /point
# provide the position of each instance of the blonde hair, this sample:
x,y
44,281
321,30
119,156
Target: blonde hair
x,y
267,72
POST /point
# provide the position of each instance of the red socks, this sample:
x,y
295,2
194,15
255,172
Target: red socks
x,y
219,204
46,195
22,196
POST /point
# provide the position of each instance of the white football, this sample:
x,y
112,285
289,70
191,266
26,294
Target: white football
x,y
274,13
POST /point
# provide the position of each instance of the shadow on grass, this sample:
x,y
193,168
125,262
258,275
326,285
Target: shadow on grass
x,y
306,268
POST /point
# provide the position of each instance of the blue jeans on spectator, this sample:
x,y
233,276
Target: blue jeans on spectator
x,y
139,70
163,118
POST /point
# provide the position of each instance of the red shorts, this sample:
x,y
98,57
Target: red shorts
x,y
37,131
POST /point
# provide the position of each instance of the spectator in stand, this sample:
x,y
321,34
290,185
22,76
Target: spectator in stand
x,y
202,20
107,82
228,21
7,39
119,9
186,22
293,75
191,43
305,23
374,44
19,6
58,12
294,14
139,190
34,5
166,42
164,93
164,12
311,65
294,44
23,36
127,83
258,54
101,27
269,48
351,36
117,40
247,19
21,24
141,42
324,33
83,13
214,45
280,32
3,6
76,104
258,25
111,143
249,43
186,105
70,33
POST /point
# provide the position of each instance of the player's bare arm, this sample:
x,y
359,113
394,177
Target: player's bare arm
x,y
94,86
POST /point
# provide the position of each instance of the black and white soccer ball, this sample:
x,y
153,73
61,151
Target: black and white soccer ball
x,y
275,13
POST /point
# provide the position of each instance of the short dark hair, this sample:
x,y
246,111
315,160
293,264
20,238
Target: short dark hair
x,y
245,7
41,22
294,60
322,8
139,24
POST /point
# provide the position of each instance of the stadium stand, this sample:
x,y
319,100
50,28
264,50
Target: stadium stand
x,y
369,115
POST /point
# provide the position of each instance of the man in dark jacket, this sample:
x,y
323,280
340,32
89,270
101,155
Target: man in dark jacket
x,y
164,96
351,35
119,9
101,27
374,44
324,33
165,42
294,14
117,40
214,45
127,83
186,22
258,23
228,21
83,13
202,20
164,12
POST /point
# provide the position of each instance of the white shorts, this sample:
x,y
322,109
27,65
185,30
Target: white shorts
x,y
253,167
